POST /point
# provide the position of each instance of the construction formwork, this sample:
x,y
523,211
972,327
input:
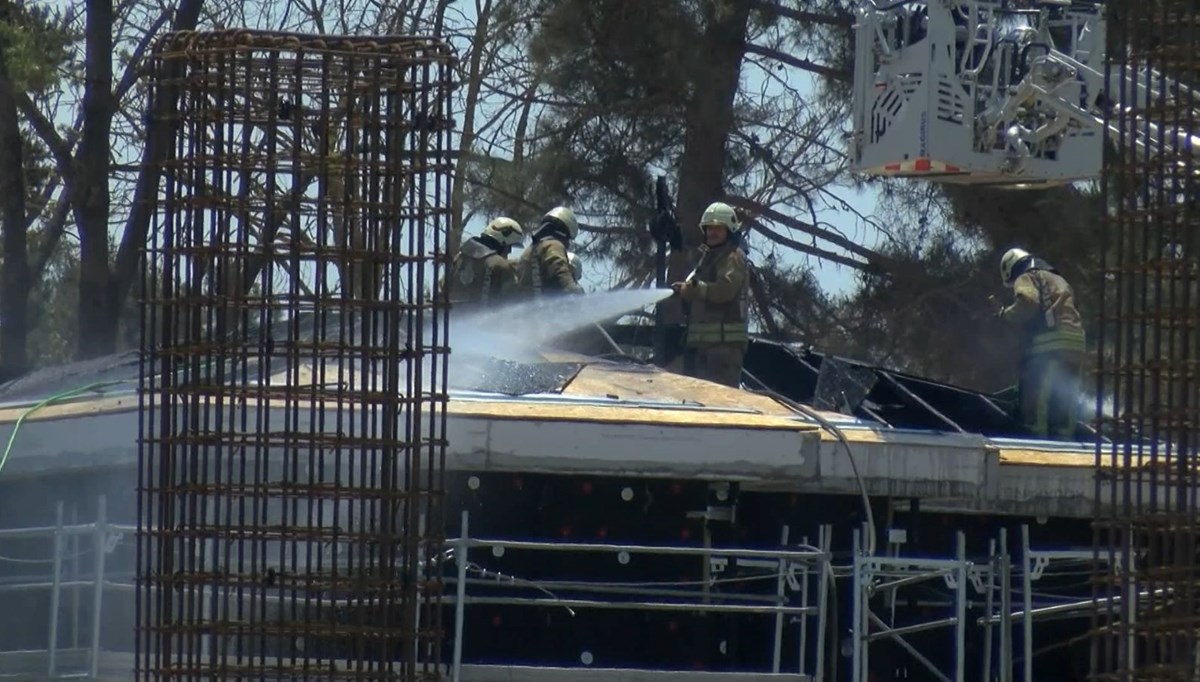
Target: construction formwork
x,y
293,380
1149,605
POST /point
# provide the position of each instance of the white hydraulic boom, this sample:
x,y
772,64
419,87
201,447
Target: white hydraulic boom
x,y
995,92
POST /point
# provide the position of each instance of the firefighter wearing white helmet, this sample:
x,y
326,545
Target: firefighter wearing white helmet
x,y
481,274
545,268
716,337
1053,344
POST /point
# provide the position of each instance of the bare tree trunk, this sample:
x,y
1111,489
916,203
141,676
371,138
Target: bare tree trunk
x,y
709,120
14,277
159,135
474,77
90,194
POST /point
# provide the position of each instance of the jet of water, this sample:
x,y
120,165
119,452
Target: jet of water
x,y
517,330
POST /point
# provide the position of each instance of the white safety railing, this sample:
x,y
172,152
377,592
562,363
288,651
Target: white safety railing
x,y
792,568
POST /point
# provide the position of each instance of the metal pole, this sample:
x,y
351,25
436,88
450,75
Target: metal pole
x,y
960,610
98,593
910,580
857,662
421,596
647,605
1027,598
803,666
822,602
887,632
1005,609
1027,617
780,586
646,549
990,606
76,572
56,581
460,605
1131,608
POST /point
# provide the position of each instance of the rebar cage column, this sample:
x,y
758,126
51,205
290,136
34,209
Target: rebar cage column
x,y
1148,607
294,357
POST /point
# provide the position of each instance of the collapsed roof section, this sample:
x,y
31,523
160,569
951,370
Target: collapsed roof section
x,y
890,398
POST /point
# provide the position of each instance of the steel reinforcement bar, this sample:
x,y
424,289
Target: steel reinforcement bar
x,y
300,227
1148,607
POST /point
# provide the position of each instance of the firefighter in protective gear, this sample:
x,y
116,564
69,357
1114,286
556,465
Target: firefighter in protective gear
x,y
481,274
1053,344
545,268
716,336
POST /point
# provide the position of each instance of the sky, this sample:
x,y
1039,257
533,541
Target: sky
x,y
834,278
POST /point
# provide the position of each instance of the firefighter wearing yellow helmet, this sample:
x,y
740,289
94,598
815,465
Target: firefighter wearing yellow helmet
x,y
544,268
1053,344
716,336
481,274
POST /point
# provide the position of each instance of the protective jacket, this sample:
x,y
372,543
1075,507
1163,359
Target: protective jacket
x,y
1044,306
480,275
718,306
1053,352
544,269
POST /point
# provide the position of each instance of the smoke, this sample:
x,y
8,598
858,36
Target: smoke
x,y
1087,407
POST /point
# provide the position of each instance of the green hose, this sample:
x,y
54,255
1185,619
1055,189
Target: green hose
x,y
57,397
12,437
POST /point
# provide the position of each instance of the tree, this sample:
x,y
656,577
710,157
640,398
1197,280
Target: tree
x,y
622,89
33,45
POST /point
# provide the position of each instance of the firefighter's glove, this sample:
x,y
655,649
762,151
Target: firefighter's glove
x,y
686,290
996,307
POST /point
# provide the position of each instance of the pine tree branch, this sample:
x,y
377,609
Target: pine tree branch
x,y
158,139
59,148
842,75
755,208
810,250
52,233
838,20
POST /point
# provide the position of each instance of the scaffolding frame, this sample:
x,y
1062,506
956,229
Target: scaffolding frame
x,y
797,570
792,568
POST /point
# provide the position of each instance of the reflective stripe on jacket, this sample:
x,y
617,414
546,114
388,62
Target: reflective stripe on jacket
x,y
718,307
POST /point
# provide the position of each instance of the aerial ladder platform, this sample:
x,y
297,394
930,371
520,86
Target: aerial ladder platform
x,y
997,92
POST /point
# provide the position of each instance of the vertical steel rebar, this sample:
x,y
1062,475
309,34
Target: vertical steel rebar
x,y
294,352
1149,397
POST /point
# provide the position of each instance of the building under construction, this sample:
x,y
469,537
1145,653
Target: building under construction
x,y
292,481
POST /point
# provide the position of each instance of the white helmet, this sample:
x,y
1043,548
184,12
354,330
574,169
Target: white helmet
x,y
576,265
565,216
1009,262
506,231
720,213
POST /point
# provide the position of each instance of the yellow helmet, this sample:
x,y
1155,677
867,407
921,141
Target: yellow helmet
x,y
506,231
1009,262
